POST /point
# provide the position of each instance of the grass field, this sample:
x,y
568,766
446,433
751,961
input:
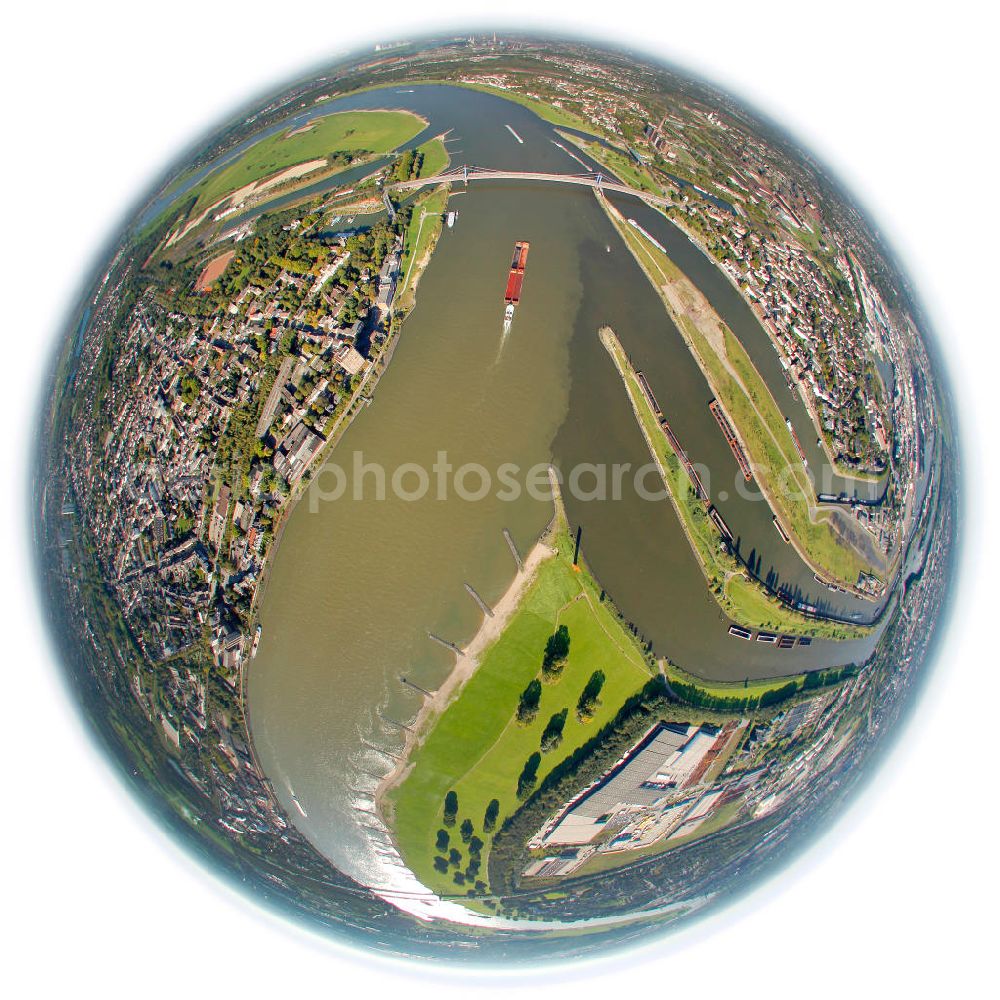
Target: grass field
x,y
744,600
420,237
620,164
436,157
477,748
347,131
740,388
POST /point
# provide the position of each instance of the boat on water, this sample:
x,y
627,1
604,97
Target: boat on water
x,y
730,435
450,219
515,281
256,642
798,446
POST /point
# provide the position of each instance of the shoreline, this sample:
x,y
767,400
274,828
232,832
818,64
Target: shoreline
x,y
676,313
369,381
468,661
808,624
375,372
465,666
696,240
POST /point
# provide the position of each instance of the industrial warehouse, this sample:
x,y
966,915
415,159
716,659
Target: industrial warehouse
x,y
652,792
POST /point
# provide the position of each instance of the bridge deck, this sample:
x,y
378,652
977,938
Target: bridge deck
x,y
468,173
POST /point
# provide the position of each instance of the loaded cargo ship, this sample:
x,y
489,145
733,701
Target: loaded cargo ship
x,y
515,279
730,435
699,488
798,446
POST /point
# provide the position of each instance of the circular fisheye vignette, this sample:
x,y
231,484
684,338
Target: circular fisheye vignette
x,y
535,620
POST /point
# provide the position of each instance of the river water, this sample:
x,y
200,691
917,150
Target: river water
x,y
356,585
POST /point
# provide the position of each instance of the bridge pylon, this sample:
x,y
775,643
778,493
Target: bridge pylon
x,y
465,174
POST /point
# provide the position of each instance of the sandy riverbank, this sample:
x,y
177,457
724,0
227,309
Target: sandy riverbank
x,y
465,666
471,656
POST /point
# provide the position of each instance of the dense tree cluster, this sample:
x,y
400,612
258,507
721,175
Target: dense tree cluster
x,y
408,166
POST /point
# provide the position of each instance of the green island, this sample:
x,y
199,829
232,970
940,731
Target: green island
x,y
732,376
742,598
337,140
433,157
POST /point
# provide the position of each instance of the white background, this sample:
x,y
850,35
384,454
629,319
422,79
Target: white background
x,y
899,100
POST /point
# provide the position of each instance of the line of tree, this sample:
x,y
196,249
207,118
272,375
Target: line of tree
x,y
508,853
691,694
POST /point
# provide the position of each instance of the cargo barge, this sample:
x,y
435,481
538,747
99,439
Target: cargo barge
x,y
644,384
780,641
733,441
720,524
832,587
681,454
798,446
515,280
